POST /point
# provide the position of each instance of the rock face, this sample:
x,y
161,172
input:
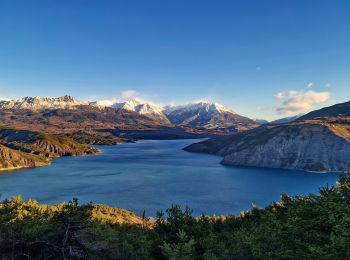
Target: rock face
x,y
209,116
311,147
317,141
22,148
11,159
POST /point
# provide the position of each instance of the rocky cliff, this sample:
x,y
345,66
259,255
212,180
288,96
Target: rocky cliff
x,y
317,141
311,147
23,148
12,159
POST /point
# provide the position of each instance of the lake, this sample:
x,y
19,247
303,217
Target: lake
x,y
154,174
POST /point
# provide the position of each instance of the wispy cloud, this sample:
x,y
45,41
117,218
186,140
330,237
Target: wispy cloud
x,y
130,93
310,85
299,101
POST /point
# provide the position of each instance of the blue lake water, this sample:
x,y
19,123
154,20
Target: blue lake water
x,y
152,175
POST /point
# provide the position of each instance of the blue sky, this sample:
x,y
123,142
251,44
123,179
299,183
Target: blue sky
x,y
263,59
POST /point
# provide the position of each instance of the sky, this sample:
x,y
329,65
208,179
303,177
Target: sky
x,y
263,59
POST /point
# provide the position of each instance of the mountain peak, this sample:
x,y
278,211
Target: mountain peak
x,y
209,116
143,107
39,103
201,105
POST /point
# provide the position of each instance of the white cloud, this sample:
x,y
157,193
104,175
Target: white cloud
x,y
4,99
310,85
299,101
130,93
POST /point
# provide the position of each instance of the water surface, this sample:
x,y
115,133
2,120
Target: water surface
x,y
152,175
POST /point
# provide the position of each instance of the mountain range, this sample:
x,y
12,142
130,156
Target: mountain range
x,y
201,115
35,129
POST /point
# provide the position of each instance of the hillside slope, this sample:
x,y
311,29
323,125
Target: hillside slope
x,y
23,148
318,141
11,159
81,118
311,147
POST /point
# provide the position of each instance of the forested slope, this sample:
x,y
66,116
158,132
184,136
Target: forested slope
x,y
302,227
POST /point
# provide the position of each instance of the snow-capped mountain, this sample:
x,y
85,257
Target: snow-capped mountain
x,y
209,107
202,115
145,108
208,116
40,103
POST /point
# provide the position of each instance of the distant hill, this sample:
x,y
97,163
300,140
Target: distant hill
x,y
83,117
285,119
341,110
260,121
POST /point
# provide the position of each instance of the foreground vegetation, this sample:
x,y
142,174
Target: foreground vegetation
x,y
302,227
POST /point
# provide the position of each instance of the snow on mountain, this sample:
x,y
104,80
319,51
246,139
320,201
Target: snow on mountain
x,y
209,116
40,103
143,107
199,115
205,106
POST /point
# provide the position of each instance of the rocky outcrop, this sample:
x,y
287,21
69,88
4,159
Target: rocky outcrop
x,y
311,147
317,141
12,159
23,148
